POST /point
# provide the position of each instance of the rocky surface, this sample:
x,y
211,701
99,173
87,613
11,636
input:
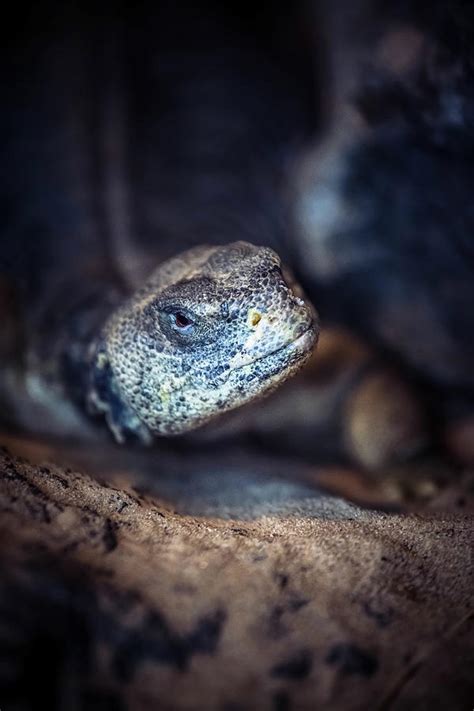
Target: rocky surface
x,y
114,600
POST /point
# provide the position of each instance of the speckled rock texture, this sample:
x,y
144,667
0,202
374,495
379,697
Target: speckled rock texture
x,y
113,600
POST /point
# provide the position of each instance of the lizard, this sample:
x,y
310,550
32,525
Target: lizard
x,y
212,329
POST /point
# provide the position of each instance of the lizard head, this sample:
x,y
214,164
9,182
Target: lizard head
x,y
212,329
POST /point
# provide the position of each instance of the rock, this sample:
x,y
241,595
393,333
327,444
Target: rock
x,y
111,599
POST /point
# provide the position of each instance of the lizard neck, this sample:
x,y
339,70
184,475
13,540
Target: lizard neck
x,y
68,354
103,398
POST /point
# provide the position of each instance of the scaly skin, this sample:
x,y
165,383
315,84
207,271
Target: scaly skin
x,y
212,329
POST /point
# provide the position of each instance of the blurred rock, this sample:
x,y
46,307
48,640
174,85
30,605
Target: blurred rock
x,y
383,421
459,438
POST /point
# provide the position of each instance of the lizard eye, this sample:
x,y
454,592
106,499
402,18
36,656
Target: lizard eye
x,y
181,322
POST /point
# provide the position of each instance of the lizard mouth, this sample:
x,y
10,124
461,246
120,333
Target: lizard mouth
x,y
291,352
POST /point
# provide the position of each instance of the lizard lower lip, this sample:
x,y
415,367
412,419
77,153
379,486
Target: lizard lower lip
x,y
306,338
